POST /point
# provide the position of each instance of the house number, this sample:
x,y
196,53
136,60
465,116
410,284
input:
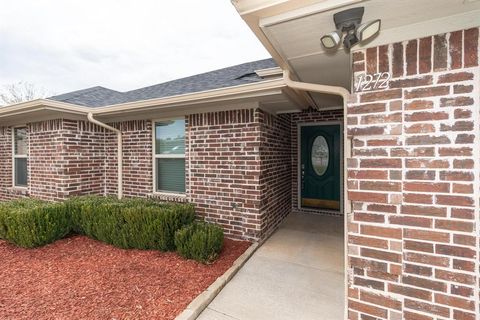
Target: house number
x,y
374,81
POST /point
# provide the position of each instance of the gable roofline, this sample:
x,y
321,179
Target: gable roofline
x,y
96,97
250,90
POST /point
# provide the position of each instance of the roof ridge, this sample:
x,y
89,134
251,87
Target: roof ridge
x,y
201,74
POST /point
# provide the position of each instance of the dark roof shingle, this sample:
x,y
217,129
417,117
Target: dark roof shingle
x,y
226,77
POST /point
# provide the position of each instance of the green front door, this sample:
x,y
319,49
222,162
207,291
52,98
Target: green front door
x,y
320,166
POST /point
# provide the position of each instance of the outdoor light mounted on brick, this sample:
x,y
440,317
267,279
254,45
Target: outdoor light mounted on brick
x,y
349,22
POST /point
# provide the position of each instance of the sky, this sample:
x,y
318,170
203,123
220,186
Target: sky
x,y
62,46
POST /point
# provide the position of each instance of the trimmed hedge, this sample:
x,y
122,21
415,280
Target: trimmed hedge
x,y
199,241
31,223
130,223
127,223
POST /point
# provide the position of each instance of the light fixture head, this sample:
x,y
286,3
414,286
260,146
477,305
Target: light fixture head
x,y
349,22
368,30
332,39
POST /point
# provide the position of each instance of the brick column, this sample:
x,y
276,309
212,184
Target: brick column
x,y
413,180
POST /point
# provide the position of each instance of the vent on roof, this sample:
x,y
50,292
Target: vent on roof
x,y
251,76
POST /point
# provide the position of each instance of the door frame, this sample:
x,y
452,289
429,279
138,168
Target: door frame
x,y
299,162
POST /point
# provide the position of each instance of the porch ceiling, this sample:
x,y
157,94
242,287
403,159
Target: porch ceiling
x,y
291,31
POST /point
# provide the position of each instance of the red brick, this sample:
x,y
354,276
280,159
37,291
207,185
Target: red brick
x,y
411,221
426,186
426,116
433,211
455,276
425,55
427,92
371,54
368,309
381,95
397,60
454,225
456,176
455,49
456,102
411,82
410,292
470,57
367,196
380,300
418,270
461,201
455,251
427,308
381,163
454,301
427,259
417,198
455,77
367,108
440,52
368,174
383,232
368,242
419,105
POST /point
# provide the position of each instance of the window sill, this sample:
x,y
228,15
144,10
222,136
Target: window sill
x,y
169,196
18,190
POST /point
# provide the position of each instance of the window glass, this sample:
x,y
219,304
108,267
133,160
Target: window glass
x,y
20,136
170,137
320,155
171,174
170,155
20,173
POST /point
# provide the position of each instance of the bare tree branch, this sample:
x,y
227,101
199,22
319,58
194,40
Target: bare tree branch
x,y
21,92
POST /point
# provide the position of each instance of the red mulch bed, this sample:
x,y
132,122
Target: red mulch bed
x,y
80,278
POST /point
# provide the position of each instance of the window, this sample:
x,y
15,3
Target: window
x,y
170,156
20,175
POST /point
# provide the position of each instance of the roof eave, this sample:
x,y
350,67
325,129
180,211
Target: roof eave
x,y
251,90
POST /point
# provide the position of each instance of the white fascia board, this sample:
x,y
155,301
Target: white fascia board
x,y
246,91
250,90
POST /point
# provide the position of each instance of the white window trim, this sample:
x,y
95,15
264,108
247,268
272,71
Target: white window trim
x,y
156,156
18,156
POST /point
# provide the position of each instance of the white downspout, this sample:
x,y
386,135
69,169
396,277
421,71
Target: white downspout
x,y
119,151
345,94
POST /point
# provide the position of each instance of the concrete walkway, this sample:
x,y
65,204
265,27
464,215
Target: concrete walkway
x,y
296,274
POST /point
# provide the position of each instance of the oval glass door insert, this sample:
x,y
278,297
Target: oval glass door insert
x,y
320,155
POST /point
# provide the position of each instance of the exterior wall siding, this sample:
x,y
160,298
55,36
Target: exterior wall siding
x,y
413,181
137,158
223,152
70,157
276,164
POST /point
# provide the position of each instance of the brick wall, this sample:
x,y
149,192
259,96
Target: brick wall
x,y
137,158
276,170
224,170
413,180
83,159
308,116
45,159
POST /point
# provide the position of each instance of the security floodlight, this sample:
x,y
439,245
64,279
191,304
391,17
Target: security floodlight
x,y
348,22
332,40
368,30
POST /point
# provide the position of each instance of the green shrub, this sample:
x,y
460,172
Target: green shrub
x,y
199,241
31,223
130,223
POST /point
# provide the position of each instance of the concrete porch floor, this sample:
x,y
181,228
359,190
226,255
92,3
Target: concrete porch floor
x,y
296,274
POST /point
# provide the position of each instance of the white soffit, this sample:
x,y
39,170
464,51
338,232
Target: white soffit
x,y
296,34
